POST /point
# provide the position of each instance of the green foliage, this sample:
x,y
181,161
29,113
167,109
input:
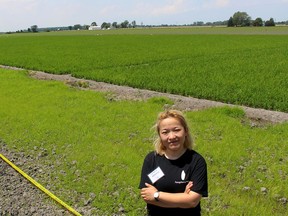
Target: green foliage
x,y
161,100
200,62
270,22
230,22
34,28
98,146
257,22
241,19
232,112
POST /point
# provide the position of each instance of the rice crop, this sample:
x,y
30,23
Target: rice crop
x,y
242,69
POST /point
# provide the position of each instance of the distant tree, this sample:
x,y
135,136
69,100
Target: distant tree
x,y
270,22
133,24
29,30
93,24
230,22
200,23
70,27
114,24
77,26
125,24
105,25
86,27
241,19
257,22
34,28
280,23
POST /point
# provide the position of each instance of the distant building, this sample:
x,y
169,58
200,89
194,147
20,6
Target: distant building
x,y
94,27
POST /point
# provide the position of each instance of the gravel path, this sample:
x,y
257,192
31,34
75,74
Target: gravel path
x,y
20,197
180,102
17,195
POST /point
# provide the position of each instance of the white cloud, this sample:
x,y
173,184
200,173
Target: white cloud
x,y
171,8
216,4
159,8
18,14
222,3
19,5
15,1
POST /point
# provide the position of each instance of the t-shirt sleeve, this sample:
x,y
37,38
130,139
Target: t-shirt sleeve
x,y
147,167
199,177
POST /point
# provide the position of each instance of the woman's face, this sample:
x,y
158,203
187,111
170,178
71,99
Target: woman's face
x,y
172,134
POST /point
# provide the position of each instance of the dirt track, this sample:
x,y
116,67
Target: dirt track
x,y
180,102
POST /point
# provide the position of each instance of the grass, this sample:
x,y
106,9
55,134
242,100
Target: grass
x,y
96,145
78,126
240,156
244,66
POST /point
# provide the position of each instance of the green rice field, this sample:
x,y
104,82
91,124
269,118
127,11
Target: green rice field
x,y
96,145
239,68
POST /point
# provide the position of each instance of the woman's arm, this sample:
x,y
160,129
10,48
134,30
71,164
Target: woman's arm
x,y
188,199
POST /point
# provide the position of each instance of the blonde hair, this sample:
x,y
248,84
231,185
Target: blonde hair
x,y
188,143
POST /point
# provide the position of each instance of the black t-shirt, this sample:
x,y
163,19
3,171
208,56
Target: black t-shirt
x,y
191,166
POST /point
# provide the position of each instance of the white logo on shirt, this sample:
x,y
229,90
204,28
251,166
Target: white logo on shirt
x,y
183,175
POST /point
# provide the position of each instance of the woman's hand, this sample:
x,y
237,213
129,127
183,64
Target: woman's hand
x,y
188,187
147,193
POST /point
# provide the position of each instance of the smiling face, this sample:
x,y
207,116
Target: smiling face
x,y
172,135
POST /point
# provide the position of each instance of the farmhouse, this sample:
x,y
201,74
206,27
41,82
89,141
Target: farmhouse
x,y
92,27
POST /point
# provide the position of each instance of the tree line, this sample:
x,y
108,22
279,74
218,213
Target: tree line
x,y
243,19
239,19
104,25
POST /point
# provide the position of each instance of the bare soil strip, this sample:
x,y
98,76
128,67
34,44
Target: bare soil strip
x,y
181,102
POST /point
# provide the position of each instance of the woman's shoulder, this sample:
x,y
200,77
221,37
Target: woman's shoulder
x,y
152,155
195,154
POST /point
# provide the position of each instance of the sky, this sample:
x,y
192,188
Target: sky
x,y
22,14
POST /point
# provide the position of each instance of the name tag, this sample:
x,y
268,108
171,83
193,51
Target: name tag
x,y
155,175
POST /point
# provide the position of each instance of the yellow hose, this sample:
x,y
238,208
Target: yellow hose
x,y
40,186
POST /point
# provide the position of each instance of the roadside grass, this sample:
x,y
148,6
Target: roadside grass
x,y
247,165
247,66
95,142
96,146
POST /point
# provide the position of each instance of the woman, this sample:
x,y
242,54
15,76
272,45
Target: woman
x,y
174,177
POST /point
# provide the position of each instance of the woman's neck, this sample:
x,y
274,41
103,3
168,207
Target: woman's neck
x,y
174,155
